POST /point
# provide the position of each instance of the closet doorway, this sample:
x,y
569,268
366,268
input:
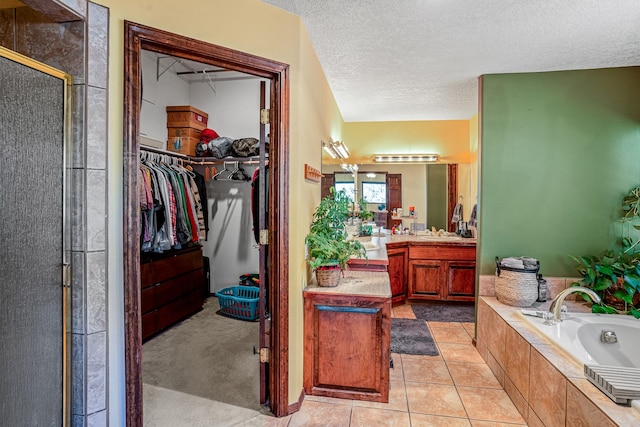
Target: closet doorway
x,y
274,327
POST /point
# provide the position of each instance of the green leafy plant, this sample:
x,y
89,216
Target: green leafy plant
x,y
365,215
615,274
327,242
631,214
615,277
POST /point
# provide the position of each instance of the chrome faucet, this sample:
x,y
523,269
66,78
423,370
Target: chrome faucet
x,y
556,306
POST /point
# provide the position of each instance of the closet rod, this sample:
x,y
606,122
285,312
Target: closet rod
x,y
205,160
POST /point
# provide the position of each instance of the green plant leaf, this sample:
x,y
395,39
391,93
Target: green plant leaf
x,y
603,309
602,284
603,269
635,313
623,295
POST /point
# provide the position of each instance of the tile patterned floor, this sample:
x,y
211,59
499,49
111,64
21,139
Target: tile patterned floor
x,y
453,389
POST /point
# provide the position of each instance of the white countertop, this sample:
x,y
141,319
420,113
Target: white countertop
x,y
361,283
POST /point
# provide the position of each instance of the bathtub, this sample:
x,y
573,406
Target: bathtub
x,y
579,336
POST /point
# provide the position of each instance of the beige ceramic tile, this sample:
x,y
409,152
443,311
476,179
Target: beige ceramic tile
x,y
496,336
495,367
484,311
456,335
418,420
409,357
445,325
319,414
370,417
483,350
434,399
501,409
555,285
625,416
472,375
454,352
397,399
265,421
580,409
487,285
478,423
324,399
403,312
516,397
395,373
426,371
566,364
534,420
547,391
517,355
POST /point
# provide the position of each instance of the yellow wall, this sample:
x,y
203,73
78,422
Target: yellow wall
x,y
252,27
473,161
448,138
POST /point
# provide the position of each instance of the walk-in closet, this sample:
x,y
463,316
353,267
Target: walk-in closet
x,y
201,210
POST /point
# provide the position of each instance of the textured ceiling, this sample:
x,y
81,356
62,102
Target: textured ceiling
x,y
390,60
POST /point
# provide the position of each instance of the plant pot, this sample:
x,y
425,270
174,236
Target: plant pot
x,y
328,276
611,300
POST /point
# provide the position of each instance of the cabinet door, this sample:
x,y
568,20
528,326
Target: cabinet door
x,y
426,279
461,280
398,273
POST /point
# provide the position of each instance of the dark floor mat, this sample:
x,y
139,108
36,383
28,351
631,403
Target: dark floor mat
x,y
412,336
445,312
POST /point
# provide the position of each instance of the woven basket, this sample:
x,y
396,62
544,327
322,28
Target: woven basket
x,y
515,286
329,276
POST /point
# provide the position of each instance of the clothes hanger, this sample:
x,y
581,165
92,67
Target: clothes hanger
x,y
229,173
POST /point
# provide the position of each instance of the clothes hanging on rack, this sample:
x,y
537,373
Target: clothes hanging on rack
x,y
171,208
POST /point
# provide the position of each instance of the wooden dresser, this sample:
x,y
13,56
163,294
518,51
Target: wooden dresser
x,y
172,288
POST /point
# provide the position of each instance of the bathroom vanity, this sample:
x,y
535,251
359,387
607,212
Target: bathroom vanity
x,y
424,268
347,337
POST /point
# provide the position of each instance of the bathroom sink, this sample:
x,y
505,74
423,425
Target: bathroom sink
x,y
370,246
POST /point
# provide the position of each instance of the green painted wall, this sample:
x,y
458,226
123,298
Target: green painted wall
x,y
558,152
437,196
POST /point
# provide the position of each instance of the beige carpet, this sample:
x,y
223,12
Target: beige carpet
x,y
205,364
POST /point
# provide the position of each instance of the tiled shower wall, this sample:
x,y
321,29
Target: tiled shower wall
x,y
72,35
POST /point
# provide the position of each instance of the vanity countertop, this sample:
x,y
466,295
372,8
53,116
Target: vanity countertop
x,y
376,246
357,283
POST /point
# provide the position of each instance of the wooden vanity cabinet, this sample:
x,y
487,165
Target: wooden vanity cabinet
x,y
442,272
347,336
398,257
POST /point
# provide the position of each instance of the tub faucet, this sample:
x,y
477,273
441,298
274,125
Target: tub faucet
x,y
556,306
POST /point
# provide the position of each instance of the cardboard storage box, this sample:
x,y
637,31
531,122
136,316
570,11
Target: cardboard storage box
x,y
183,133
181,116
186,146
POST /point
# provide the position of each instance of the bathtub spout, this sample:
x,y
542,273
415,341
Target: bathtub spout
x,y
556,306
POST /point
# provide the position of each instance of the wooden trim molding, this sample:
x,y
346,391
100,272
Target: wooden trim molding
x,y
295,407
452,191
137,38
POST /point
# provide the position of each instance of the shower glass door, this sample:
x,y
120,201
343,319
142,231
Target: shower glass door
x,y
33,317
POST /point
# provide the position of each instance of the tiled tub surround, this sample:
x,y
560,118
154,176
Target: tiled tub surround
x,y
546,385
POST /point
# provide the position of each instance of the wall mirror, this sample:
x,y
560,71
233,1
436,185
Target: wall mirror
x,y
432,189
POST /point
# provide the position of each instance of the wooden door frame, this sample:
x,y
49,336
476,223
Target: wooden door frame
x,y
138,37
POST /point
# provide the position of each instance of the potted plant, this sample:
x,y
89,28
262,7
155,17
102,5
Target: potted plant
x,y
328,243
615,274
365,216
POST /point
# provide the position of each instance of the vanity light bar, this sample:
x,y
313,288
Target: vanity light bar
x,y
406,158
336,149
